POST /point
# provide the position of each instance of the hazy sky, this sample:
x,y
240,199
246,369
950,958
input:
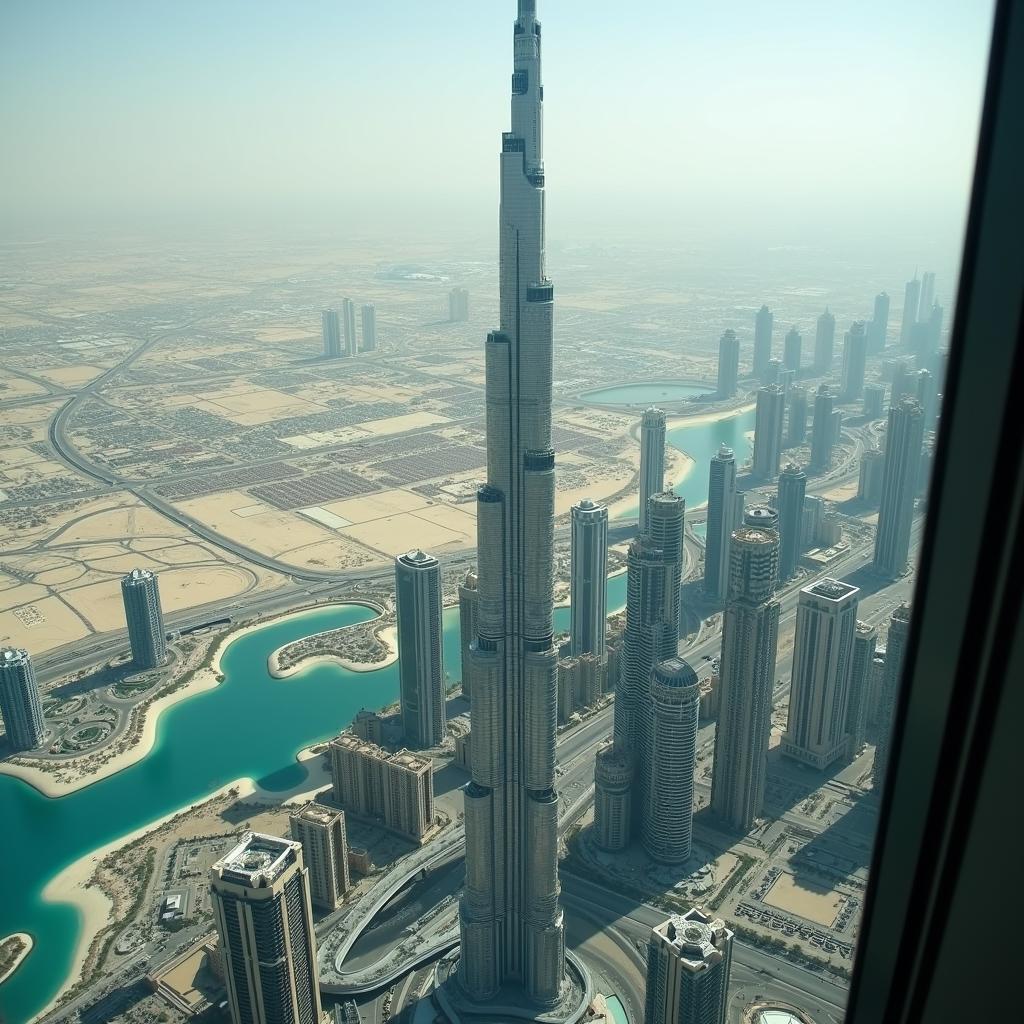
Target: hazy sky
x,y
749,115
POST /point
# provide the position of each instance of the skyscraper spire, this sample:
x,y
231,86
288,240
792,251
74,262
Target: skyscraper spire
x,y
512,933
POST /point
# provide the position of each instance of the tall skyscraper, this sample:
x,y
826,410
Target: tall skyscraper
x,y
652,459
321,831
746,679
332,334
262,906
903,444
764,322
872,472
822,429
19,700
146,634
369,328
613,794
791,350
927,295
879,326
728,364
826,623
720,523
667,828
792,487
588,579
855,354
911,301
874,401
511,924
420,671
824,341
796,434
654,574
458,305
469,602
689,958
768,421
759,517
348,324
892,676
865,640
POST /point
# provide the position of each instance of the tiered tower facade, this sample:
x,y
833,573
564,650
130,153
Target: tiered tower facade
x,y
512,930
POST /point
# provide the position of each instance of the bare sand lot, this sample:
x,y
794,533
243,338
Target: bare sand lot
x,y
287,333
339,554
19,387
821,907
14,593
377,506
101,606
71,376
400,424
41,625
395,534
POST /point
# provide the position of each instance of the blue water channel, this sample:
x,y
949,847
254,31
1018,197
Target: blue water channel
x,y
250,726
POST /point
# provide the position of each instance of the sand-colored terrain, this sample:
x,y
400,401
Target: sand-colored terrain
x,y
42,626
821,907
377,506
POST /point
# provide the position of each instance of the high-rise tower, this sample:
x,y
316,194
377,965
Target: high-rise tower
x,y
420,670
652,459
826,623
19,700
369,328
903,443
879,326
728,364
822,429
332,333
911,301
768,420
824,339
865,640
750,636
588,579
763,325
141,595
892,676
720,523
348,323
796,433
511,924
927,295
262,907
791,350
688,962
855,354
790,503
667,826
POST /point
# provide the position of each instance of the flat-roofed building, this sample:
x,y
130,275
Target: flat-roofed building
x,y
394,789
321,830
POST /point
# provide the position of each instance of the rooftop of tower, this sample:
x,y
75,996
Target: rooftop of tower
x,y
257,860
14,655
696,937
675,672
830,589
418,558
755,535
138,575
317,814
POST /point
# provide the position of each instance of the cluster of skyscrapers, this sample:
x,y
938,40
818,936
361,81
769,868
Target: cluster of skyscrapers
x,y
339,330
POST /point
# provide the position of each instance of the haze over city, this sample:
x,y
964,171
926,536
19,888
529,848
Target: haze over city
x,y
460,514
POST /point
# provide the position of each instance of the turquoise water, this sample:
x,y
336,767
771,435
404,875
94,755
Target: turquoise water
x,y
249,726
617,1010
642,394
